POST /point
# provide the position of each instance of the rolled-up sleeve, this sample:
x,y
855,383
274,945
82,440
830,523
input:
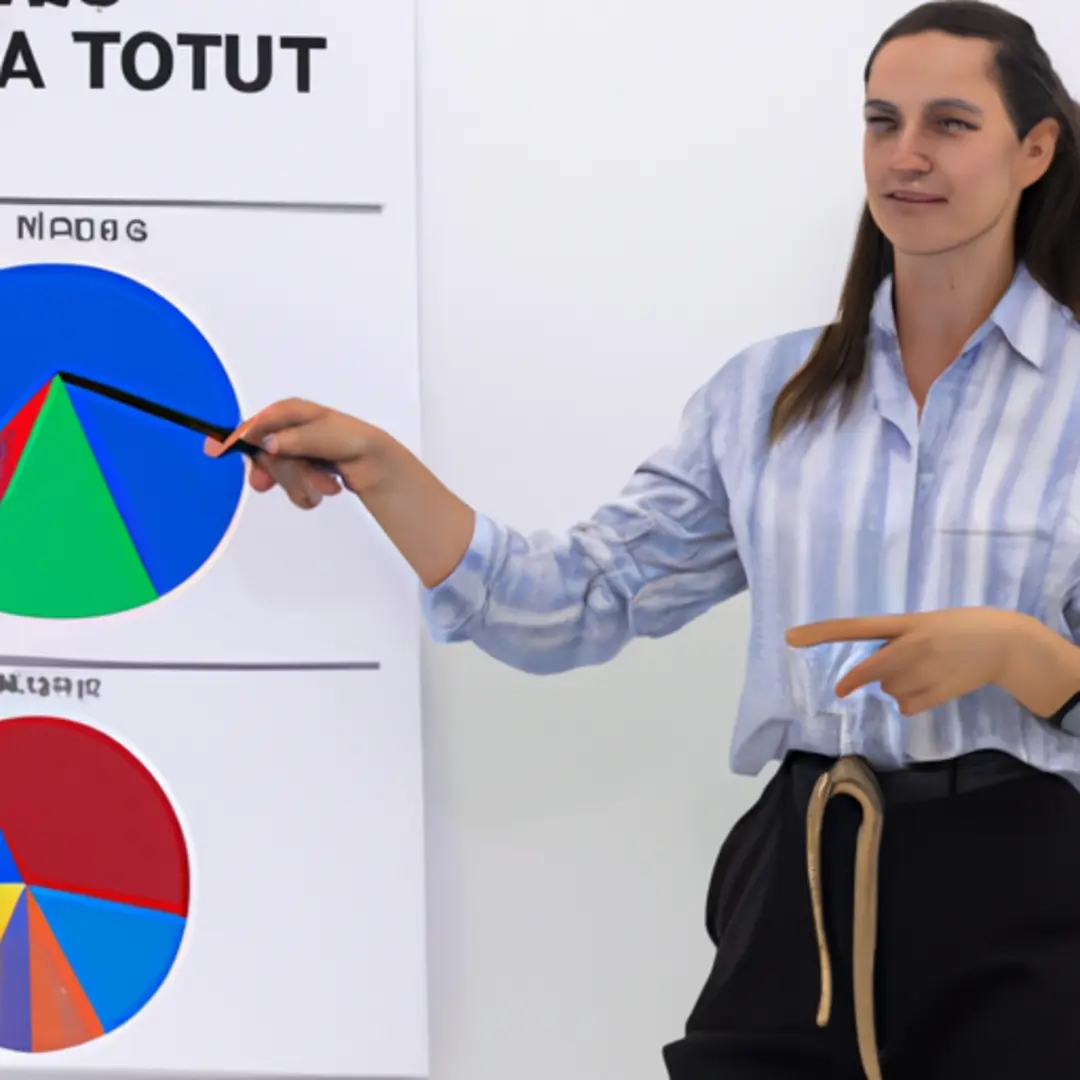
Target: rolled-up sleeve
x,y
643,565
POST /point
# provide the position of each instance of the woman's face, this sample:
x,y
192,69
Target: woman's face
x,y
942,160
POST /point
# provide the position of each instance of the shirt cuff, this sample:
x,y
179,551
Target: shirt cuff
x,y
448,607
1068,720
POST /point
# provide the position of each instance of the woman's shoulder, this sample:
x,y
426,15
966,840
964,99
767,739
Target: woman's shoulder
x,y
756,374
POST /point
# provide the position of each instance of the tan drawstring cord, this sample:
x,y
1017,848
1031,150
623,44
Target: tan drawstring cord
x,y
850,776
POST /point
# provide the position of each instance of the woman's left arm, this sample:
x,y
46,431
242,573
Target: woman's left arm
x,y
1042,671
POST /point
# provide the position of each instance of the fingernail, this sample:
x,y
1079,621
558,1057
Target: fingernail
x,y
314,497
227,444
269,444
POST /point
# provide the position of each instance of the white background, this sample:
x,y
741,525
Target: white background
x,y
617,195
301,793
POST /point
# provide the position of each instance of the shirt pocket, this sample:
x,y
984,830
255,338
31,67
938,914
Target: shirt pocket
x,y
993,556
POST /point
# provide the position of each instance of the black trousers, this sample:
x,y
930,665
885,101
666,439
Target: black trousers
x,y
978,947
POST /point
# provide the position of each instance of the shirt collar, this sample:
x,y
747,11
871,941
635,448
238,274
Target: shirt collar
x,y
1025,315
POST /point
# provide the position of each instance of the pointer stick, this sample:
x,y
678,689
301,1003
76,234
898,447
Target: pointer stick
x,y
174,416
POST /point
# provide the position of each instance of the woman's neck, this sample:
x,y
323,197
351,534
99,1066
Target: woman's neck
x,y
940,301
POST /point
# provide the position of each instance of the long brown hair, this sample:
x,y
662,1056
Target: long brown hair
x,y
1047,233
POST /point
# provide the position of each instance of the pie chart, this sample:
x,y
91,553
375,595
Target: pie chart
x,y
94,884
104,508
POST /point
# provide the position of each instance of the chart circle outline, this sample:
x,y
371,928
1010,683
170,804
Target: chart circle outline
x,y
86,729
112,350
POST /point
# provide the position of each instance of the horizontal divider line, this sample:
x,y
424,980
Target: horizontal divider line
x,y
285,206
165,665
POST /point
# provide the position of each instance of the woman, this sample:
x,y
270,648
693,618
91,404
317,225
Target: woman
x,y
900,492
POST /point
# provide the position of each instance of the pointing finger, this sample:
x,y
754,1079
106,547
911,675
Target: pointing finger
x,y
871,628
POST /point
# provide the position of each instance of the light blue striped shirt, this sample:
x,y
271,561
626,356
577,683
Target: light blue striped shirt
x,y
977,503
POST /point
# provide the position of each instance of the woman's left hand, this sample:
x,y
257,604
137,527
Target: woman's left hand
x,y
929,658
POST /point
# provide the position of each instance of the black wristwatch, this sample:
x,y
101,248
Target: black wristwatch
x,y
1067,718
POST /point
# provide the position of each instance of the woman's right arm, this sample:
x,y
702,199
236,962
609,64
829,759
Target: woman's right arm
x,y
644,564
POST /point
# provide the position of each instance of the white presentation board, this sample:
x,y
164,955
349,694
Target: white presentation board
x,y
210,207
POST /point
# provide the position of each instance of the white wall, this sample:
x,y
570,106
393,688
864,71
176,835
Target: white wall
x,y
617,195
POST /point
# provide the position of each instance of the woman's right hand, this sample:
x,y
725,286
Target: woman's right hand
x,y
292,430
427,522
